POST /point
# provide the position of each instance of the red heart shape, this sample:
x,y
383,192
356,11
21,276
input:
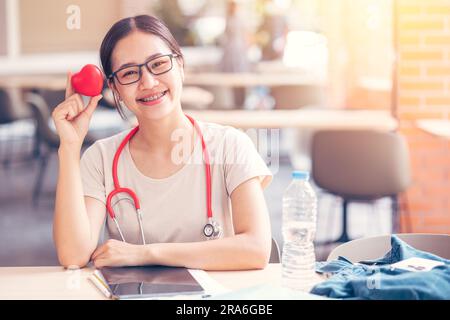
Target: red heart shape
x,y
89,81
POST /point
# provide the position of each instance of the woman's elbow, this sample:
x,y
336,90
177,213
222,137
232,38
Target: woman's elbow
x,y
70,262
261,257
70,258
71,255
260,263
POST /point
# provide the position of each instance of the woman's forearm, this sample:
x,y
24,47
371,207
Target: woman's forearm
x,y
71,228
240,252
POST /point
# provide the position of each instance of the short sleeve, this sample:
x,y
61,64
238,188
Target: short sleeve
x,y
92,173
243,162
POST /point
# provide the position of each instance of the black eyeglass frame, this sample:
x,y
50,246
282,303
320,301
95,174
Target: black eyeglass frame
x,y
171,55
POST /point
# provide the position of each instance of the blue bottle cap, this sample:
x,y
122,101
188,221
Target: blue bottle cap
x,y
302,175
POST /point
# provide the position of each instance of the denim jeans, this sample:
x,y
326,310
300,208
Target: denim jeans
x,y
376,279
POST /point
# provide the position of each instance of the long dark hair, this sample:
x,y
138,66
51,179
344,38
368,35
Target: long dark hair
x,y
121,29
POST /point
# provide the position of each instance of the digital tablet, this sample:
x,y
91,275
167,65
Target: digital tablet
x,y
148,282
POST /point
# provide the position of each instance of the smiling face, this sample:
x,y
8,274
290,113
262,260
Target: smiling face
x,y
153,96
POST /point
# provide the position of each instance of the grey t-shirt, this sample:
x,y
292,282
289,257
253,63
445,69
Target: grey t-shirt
x,y
174,208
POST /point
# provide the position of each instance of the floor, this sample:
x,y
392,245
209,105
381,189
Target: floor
x,y
26,229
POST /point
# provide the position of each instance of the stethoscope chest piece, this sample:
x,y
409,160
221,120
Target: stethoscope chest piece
x,y
212,230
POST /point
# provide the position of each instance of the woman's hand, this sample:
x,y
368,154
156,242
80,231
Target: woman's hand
x,y
116,253
72,118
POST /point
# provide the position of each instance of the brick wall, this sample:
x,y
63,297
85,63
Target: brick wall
x,y
423,82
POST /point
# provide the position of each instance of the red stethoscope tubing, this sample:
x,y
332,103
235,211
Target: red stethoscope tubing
x,y
207,167
118,189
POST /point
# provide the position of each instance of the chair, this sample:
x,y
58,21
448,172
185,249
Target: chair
x,y
361,165
44,135
104,123
15,124
376,247
275,252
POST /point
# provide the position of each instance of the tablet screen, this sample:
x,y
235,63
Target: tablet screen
x,y
150,281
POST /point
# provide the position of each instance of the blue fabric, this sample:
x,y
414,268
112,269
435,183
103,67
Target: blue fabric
x,y
375,279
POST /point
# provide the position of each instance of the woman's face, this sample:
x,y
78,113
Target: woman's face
x,y
153,96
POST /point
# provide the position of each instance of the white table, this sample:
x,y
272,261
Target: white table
x,y
58,283
300,118
251,79
437,127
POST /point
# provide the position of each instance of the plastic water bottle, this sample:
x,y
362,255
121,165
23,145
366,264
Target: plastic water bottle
x,y
299,228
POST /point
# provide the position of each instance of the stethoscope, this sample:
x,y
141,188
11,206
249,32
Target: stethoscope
x,y
211,230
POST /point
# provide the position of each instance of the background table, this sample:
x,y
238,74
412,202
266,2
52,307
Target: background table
x,y
437,127
299,118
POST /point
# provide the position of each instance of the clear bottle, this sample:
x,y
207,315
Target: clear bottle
x,y
299,228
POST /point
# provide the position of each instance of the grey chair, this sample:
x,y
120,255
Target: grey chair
x,y
41,103
376,247
13,114
361,165
45,136
275,252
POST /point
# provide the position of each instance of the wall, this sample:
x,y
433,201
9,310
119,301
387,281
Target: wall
x,y
360,44
423,31
3,49
43,25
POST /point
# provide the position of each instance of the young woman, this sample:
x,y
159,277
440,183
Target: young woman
x,y
209,186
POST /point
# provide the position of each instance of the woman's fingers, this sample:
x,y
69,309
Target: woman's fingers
x,y
69,88
70,108
64,111
98,252
93,102
108,245
79,102
100,263
111,253
72,112
77,99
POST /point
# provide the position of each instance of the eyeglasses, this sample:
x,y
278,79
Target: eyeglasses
x,y
156,66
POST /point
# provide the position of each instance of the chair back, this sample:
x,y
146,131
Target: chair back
x,y
42,117
275,252
360,164
11,106
376,247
